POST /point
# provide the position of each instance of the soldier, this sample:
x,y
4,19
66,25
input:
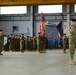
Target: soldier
x,y
44,44
56,44
5,43
40,43
34,43
22,43
72,40
15,43
1,42
64,43
11,42
18,43
27,43
30,44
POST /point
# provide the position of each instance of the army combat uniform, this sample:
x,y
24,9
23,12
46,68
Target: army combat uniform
x,y
72,40
64,43
1,42
34,43
40,42
22,44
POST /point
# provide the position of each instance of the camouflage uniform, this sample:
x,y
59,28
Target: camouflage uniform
x,y
44,43
64,43
22,44
72,40
27,43
40,43
18,41
1,43
30,44
34,43
10,42
11,46
13,43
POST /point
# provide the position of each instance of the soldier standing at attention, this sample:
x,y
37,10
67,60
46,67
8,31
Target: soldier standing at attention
x,y
34,43
39,42
22,43
72,40
64,43
44,44
1,42
27,43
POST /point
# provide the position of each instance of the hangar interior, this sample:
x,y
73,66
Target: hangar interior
x,y
29,22
54,62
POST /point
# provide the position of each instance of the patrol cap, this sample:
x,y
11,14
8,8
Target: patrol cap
x,y
0,30
73,20
39,32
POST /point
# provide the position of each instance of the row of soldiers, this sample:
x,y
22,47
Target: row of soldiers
x,y
31,43
21,43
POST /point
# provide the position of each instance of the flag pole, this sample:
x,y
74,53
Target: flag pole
x,y
51,31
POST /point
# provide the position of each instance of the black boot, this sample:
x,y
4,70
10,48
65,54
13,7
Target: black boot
x,y
1,54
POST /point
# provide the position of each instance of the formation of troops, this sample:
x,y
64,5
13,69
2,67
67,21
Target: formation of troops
x,y
21,43
39,43
36,43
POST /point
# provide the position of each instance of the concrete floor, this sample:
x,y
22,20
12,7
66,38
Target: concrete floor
x,y
54,62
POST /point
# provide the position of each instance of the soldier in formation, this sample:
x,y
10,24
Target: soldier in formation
x,y
41,43
22,43
34,43
1,42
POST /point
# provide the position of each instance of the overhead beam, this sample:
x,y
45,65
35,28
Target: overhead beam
x,y
35,2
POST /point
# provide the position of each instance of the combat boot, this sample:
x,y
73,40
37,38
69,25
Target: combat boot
x,y
72,62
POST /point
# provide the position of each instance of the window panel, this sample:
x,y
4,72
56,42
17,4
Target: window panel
x,y
50,9
13,10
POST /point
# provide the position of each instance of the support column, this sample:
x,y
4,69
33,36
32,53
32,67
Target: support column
x,y
0,10
35,11
68,18
68,9
32,20
32,10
